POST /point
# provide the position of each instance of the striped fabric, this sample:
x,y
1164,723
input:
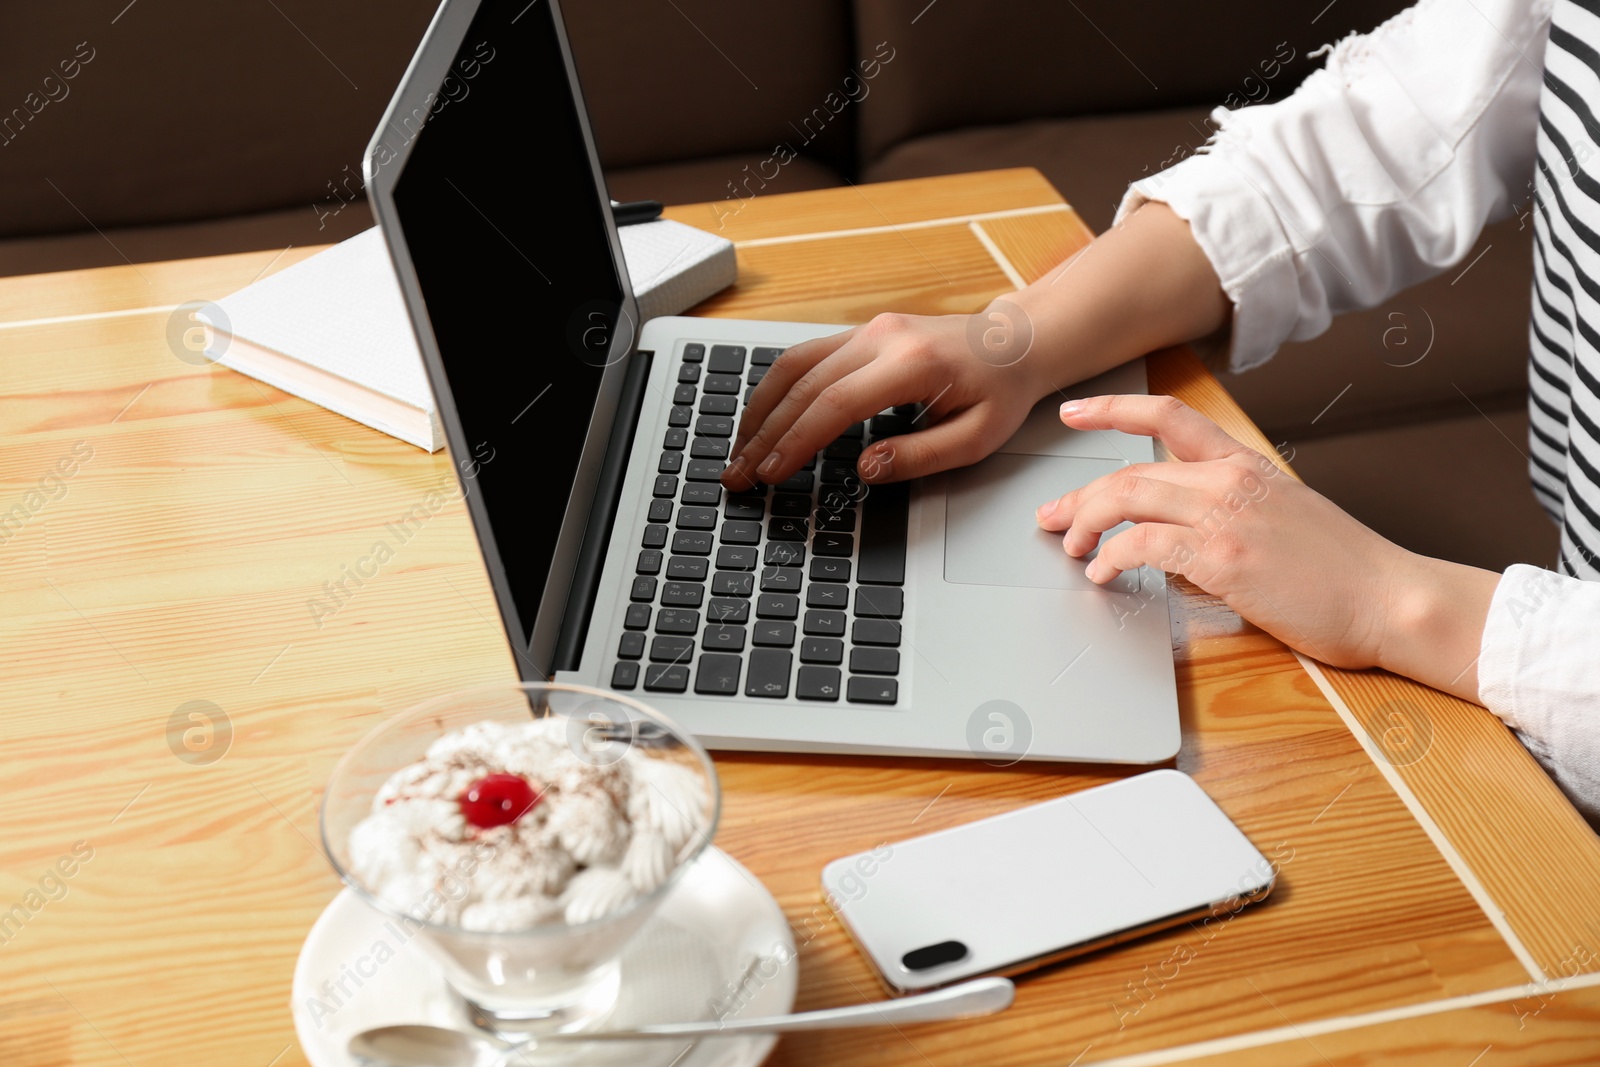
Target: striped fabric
x,y
1564,333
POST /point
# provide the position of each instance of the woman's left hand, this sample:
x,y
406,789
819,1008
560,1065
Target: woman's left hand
x,y
1235,524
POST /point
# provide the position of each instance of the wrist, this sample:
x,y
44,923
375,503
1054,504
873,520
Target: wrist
x,y
1433,621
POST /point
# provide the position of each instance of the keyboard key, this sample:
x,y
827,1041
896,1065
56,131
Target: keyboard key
x,y
874,661
870,690
655,537
694,352
714,405
777,606
660,511
695,518
854,431
687,568
720,637
676,438
765,357
791,506
884,515
817,683
755,375
773,634
663,678
843,448
649,561
838,498
788,530
739,532
682,594
670,463
684,394
745,506
680,416
749,392
841,521
717,675
798,482
888,425
838,471
736,558
714,426
672,650
780,579
875,632
644,589
722,384
828,595
637,618
833,544
631,646
679,621
709,448
720,609
666,485
702,470
785,553
689,372
726,359
824,569
701,493
829,623
691,543
880,602
768,675
625,675
733,583
820,650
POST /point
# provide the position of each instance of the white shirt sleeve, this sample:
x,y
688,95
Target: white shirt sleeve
x,y
1378,172
1539,670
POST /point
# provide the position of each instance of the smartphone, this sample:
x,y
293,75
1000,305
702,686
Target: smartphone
x,y
1017,891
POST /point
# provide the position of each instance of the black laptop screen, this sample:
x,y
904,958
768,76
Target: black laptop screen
x,y
498,205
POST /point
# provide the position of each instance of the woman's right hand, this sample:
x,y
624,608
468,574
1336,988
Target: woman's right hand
x,y
972,373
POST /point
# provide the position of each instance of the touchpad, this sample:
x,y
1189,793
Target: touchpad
x,y
991,535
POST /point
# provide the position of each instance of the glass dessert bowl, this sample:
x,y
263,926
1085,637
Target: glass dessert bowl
x,y
524,834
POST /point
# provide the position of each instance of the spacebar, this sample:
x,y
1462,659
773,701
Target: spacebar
x,y
883,534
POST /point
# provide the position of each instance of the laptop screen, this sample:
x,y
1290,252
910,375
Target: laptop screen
x,y
506,230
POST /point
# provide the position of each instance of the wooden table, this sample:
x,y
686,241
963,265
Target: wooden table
x,y
1438,902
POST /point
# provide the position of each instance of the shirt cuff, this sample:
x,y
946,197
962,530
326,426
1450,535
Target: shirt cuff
x,y
1239,233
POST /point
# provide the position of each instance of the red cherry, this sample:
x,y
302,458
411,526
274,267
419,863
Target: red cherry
x,y
498,799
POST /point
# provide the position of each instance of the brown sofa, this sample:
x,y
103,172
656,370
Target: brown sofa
x,y
199,128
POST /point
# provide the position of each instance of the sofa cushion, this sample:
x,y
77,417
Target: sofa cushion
x,y
979,62
697,78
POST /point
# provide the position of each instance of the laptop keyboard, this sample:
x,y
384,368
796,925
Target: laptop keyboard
x,y
791,590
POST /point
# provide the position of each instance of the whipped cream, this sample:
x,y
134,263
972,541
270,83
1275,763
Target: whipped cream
x,y
601,834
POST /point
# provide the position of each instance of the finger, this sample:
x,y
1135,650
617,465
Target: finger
x,y
796,361
742,466
1057,514
1132,500
822,412
1188,434
953,442
1151,544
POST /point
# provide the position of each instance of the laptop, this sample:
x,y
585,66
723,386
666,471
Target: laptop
x,y
819,615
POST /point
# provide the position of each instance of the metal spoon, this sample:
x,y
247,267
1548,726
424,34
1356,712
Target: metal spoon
x,y
438,1046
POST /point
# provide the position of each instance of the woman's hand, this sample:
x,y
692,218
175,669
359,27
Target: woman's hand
x,y
1280,554
971,373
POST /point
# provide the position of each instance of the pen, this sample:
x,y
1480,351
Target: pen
x,y
634,211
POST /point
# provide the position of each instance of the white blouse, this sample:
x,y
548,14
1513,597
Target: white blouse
x,y
1380,171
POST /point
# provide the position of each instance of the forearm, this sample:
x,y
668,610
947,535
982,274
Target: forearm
x,y
1143,285
1434,618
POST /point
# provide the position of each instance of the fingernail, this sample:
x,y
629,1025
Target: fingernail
x,y
770,465
1092,571
735,466
877,464
1071,407
1044,511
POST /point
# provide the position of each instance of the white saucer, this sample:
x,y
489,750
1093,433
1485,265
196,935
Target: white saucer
x,y
719,938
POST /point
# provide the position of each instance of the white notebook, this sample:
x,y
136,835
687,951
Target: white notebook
x,y
333,329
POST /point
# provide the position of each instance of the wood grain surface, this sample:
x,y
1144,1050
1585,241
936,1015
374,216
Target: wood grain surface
x,y
178,562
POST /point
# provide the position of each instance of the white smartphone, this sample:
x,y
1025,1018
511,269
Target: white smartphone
x,y
1020,890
